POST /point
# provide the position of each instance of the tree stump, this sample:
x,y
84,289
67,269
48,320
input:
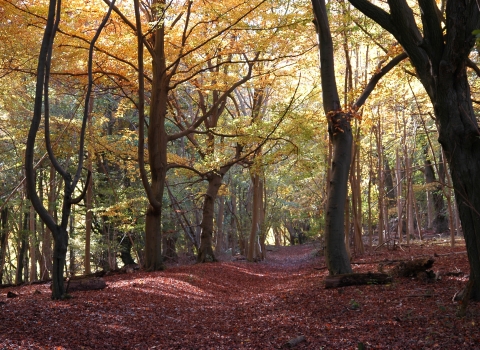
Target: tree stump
x,y
354,279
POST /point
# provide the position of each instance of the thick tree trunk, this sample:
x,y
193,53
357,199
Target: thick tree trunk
x,y
459,136
60,239
439,221
340,131
153,240
125,250
206,253
337,258
440,63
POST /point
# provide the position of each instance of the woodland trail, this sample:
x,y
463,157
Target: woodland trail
x,y
239,305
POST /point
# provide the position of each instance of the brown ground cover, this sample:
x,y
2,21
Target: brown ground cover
x,y
240,305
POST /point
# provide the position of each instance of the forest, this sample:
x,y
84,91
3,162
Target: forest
x,y
143,135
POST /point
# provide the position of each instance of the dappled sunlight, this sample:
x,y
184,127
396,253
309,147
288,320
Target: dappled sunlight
x,y
165,286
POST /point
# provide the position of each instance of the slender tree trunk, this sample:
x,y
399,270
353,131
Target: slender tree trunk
x,y
22,249
410,197
355,180
399,187
220,236
33,246
255,229
89,197
47,237
3,239
369,195
381,186
347,227
233,234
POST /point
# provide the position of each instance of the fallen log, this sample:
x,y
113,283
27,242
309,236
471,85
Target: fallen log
x,y
94,283
412,268
83,284
355,279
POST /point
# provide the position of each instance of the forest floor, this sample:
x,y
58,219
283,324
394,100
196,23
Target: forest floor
x,y
240,305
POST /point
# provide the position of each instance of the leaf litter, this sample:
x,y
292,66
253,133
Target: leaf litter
x,y
240,305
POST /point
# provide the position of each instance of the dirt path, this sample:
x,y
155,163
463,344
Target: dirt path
x,y
238,305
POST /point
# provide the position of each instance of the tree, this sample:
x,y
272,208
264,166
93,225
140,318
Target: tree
x,y
171,69
59,231
440,54
340,133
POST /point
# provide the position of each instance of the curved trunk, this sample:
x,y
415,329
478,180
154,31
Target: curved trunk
x,y
205,253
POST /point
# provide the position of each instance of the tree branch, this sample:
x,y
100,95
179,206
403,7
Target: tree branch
x,y
376,78
331,100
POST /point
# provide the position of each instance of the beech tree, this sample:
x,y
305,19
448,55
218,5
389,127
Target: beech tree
x,y
439,51
340,132
41,106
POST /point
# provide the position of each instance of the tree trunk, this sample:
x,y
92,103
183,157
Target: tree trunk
x,y
157,136
410,197
153,240
254,253
369,195
3,239
88,221
22,248
126,250
340,132
47,237
33,245
220,235
459,136
441,67
337,258
381,227
206,253
355,181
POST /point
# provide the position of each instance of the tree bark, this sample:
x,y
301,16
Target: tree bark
x,y
340,132
3,239
206,253
355,279
220,235
32,246
253,253
22,249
